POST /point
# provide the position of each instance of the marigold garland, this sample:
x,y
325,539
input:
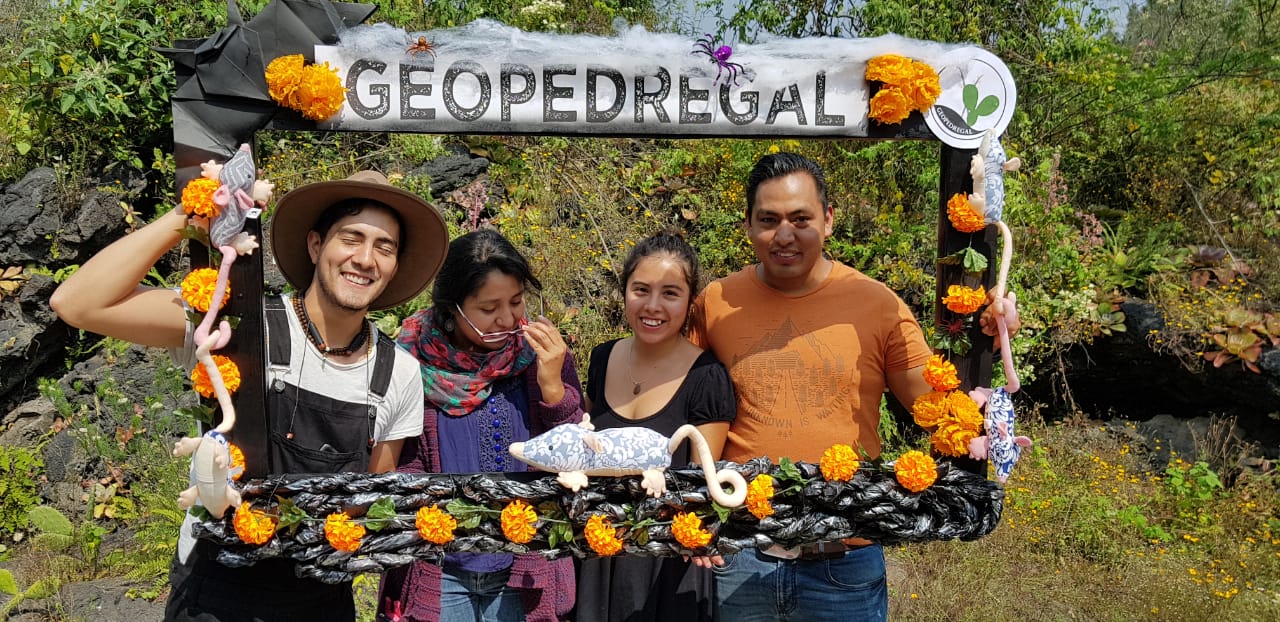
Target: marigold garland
x,y
965,300
230,376
343,534
915,470
435,525
197,197
890,69
283,76
198,288
518,520
602,537
237,461
253,526
924,87
316,91
964,410
839,463
688,531
941,373
890,106
760,496
907,85
930,409
952,438
320,95
963,216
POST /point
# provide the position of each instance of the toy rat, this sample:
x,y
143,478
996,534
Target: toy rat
x,y
577,450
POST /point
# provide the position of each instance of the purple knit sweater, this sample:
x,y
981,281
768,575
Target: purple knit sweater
x,y
546,587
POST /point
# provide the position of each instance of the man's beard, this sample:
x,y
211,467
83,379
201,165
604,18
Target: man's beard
x,y
331,297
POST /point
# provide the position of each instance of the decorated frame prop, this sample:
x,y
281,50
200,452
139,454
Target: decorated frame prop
x,y
310,64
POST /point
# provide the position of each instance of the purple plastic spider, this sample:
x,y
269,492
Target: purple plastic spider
x,y
720,56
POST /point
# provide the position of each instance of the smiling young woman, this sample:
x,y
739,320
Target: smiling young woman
x,y
659,380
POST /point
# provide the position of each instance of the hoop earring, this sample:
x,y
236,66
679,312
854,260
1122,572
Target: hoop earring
x,y
449,325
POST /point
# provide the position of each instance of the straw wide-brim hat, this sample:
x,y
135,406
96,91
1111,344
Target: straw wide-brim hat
x,y
423,240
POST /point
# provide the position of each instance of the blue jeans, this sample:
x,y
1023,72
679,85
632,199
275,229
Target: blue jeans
x,y
467,596
752,586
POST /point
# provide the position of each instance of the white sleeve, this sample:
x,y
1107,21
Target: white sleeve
x,y
403,401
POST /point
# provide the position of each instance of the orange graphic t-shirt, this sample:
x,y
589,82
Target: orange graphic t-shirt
x,y
808,370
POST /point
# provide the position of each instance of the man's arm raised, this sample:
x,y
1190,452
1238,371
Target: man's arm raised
x,y
104,296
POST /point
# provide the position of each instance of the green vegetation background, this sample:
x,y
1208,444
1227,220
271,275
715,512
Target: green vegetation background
x,y
1152,170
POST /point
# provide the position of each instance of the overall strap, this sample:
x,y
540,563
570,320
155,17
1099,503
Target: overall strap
x,y
277,331
382,366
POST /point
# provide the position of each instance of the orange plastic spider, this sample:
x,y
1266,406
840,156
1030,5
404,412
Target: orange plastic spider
x,y
422,46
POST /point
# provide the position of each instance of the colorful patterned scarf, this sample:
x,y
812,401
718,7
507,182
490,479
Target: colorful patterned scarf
x,y
457,381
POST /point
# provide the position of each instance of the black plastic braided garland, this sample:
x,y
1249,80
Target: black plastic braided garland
x,y
959,505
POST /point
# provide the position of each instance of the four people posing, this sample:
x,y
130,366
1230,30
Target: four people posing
x,y
808,347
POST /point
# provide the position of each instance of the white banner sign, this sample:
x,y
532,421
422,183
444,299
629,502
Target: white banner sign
x,y
489,78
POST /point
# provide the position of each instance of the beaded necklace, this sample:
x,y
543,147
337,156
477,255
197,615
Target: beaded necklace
x,y
313,333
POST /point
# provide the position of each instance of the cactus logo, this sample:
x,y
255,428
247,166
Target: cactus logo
x,y
978,94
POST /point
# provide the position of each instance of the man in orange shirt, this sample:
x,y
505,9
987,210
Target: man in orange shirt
x,y
811,344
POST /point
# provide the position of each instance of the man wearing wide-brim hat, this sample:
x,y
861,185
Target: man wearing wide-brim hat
x,y
342,397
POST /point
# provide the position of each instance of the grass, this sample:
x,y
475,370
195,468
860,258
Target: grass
x,y
1093,529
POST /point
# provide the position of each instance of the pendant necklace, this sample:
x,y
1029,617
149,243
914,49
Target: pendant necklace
x,y
635,388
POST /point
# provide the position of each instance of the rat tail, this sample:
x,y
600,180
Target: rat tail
x,y
715,479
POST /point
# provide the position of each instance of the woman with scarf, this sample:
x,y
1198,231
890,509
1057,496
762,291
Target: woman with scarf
x,y
493,376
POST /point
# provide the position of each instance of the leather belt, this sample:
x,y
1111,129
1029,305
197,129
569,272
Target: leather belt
x,y
823,550
812,552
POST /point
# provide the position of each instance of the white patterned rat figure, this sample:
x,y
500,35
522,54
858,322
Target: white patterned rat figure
x,y
211,469
576,451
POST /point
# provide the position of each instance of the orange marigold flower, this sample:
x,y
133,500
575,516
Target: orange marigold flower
x,y
687,528
924,87
963,216
940,373
964,411
283,76
930,409
839,463
602,537
889,106
253,526
198,288
965,300
237,461
434,524
518,520
343,534
890,69
952,439
760,496
915,471
226,368
197,197
320,94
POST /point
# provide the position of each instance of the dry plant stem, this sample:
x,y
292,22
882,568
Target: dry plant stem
x,y
1212,225
594,225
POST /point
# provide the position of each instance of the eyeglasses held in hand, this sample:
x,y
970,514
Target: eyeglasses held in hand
x,y
496,337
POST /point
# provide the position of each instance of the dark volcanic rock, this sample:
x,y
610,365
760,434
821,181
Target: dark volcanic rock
x,y
1122,376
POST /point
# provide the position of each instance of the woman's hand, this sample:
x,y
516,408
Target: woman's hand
x,y
545,339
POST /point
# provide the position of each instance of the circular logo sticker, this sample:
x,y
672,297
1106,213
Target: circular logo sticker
x,y
978,94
